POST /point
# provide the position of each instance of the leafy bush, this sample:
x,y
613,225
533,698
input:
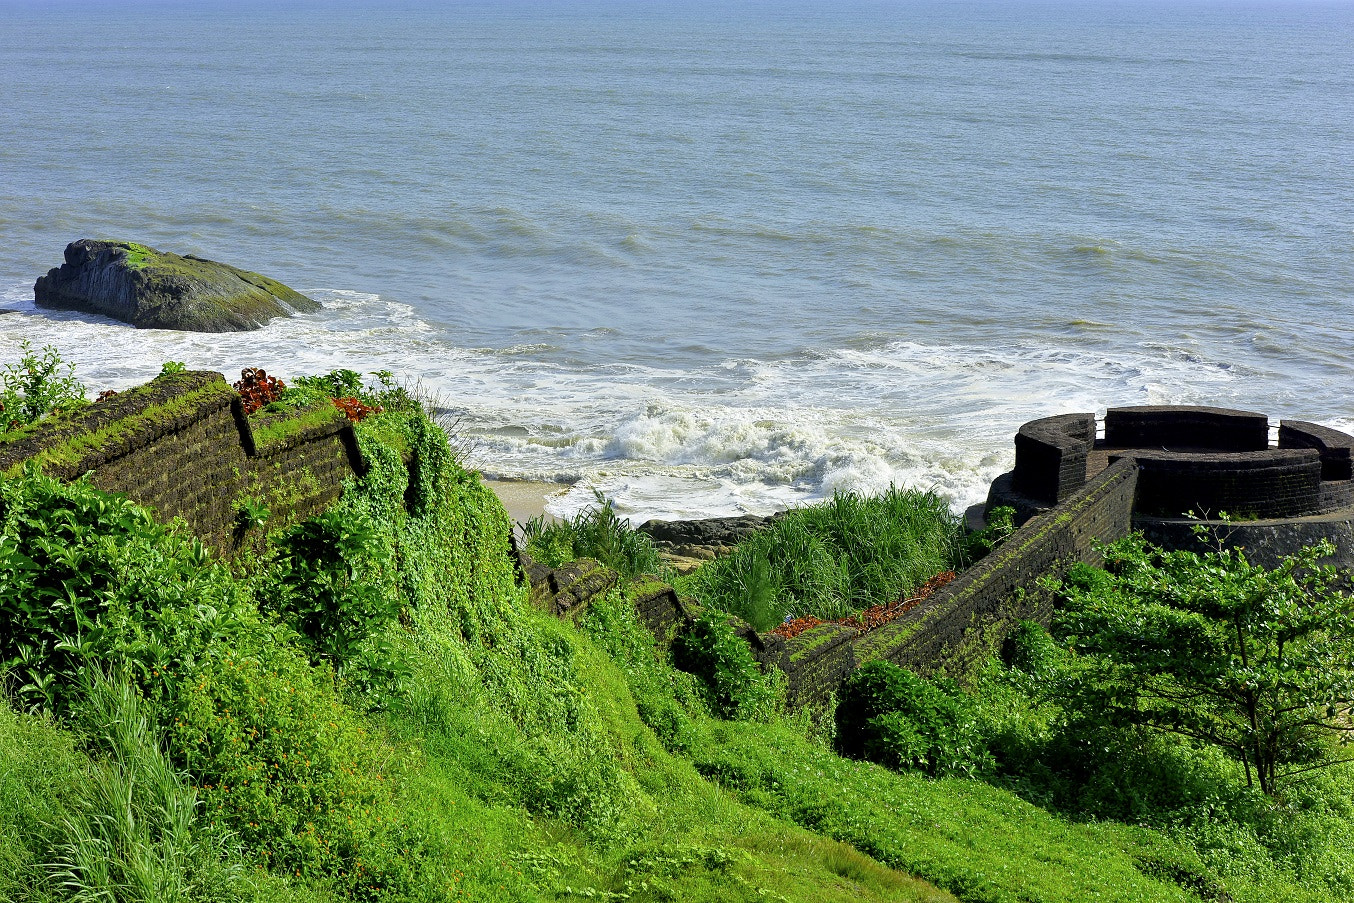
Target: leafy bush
x,y
1029,649
832,559
595,532
1000,525
666,698
320,588
1256,662
349,384
733,683
294,397
891,716
35,386
258,389
89,577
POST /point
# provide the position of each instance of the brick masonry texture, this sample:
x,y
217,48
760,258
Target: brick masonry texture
x,y
1333,447
1192,460
1270,483
1155,426
183,447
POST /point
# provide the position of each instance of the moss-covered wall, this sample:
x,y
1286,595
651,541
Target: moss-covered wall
x,y
182,446
968,619
951,632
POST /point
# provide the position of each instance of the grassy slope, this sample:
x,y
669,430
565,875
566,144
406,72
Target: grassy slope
x,y
535,773
687,840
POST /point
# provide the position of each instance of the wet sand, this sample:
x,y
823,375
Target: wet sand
x,y
525,500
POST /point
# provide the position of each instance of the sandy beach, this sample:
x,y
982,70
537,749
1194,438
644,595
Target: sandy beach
x,y
525,499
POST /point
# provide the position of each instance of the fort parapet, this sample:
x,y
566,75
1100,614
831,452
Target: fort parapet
x,y
1207,465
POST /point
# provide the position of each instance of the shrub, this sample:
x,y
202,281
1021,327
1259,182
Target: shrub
x,y
665,697
341,383
348,385
257,388
734,685
1257,662
319,585
35,386
595,532
1000,525
86,576
891,716
1029,649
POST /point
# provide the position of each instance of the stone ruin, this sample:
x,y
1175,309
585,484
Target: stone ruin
x,y
1268,492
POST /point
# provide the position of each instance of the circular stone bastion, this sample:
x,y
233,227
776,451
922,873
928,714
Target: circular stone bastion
x,y
1269,492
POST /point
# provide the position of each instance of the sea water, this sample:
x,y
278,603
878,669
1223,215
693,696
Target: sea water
x,y
714,257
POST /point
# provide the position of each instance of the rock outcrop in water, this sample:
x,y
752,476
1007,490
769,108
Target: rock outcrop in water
x,y
154,290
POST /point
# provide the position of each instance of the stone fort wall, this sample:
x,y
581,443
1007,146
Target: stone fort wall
x,y
182,446
955,629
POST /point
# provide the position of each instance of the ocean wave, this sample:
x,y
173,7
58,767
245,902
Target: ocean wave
x,y
716,436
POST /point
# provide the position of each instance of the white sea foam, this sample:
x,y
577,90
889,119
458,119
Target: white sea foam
x,y
742,435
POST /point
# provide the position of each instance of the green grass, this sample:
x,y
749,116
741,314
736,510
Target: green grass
x,y
503,759
272,429
832,559
976,841
595,532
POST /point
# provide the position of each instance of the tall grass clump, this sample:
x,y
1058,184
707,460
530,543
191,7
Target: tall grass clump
x,y
833,559
595,532
136,833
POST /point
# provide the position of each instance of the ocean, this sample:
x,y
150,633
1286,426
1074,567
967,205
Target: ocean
x,y
714,257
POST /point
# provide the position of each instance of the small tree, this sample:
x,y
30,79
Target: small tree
x,y
35,386
1257,662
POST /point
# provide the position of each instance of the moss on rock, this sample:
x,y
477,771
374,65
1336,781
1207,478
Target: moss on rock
x,y
152,289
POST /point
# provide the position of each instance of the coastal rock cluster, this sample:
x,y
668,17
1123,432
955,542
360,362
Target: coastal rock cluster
x,y
686,544
151,289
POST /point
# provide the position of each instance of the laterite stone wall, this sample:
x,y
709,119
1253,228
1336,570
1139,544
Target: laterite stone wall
x,y
967,620
182,446
950,633
1274,483
1051,456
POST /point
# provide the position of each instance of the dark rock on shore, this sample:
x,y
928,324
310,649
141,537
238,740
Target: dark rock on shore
x,y
151,289
685,544
712,531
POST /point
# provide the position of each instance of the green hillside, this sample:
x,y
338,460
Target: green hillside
x,y
365,707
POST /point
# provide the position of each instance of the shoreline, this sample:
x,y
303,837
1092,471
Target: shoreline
x,y
525,499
